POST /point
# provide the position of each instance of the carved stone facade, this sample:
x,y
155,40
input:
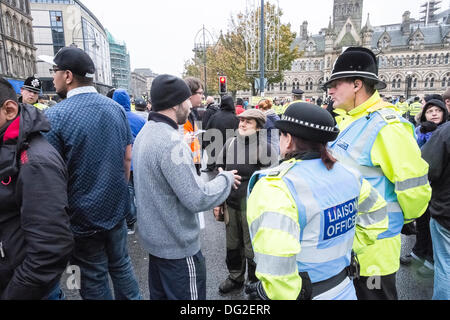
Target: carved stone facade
x,y
411,49
17,51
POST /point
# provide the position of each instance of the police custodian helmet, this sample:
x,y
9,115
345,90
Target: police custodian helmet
x,y
356,62
309,122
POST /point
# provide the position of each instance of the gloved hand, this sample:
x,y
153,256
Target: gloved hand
x,y
428,126
256,291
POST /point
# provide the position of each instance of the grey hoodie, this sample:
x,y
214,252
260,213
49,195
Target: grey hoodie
x,y
169,193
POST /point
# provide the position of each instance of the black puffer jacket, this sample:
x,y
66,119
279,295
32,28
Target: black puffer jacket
x,y
437,153
246,155
35,236
225,119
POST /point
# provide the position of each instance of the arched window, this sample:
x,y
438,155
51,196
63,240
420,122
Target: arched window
x,y
427,81
394,83
447,58
418,60
432,83
415,80
285,86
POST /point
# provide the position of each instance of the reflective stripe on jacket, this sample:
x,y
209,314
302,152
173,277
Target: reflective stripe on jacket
x,y
311,225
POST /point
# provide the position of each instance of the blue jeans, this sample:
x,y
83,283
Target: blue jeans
x,y
132,214
56,294
441,248
103,253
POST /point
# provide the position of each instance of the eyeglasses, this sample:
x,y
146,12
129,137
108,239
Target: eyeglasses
x,y
55,70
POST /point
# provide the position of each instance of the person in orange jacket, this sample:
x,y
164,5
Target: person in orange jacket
x,y
191,131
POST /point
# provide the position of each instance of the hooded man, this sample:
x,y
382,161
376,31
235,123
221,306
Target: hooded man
x,y
136,124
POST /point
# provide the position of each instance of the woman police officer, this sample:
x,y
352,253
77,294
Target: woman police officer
x,y
307,215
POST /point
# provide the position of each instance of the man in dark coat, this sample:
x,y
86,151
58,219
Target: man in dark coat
x,y
35,236
224,121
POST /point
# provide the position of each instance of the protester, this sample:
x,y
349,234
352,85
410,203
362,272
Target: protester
x,y
239,106
246,153
141,108
136,124
377,142
221,126
272,133
92,134
446,98
169,195
298,228
433,115
35,236
437,153
190,127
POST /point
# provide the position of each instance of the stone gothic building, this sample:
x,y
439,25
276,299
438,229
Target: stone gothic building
x,y
414,55
17,50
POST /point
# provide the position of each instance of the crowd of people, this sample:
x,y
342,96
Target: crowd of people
x,y
314,196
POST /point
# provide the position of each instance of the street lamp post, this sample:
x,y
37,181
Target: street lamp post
x,y
262,53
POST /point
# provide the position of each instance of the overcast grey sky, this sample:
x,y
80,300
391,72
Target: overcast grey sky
x,y
160,34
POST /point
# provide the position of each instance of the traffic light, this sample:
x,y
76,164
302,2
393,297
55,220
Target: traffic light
x,y
222,85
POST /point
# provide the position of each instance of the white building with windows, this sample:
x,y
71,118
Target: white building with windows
x,y
60,23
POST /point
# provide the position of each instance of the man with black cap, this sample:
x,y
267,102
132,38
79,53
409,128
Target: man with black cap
x,y
169,195
380,144
92,134
303,215
30,92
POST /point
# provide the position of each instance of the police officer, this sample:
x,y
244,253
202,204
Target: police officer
x,y
414,109
377,142
30,92
303,215
297,96
402,106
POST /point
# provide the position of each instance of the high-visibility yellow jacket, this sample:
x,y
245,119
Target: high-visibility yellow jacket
x,y
380,144
287,105
403,107
415,108
40,106
302,220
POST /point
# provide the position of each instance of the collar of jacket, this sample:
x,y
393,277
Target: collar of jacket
x,y
373,104
303,156
158,117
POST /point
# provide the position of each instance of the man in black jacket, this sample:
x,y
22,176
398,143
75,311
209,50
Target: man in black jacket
x,y
437,153
35,237
225,122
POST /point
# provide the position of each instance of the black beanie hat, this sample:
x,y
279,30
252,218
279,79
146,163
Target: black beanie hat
x,y
168,91
309,122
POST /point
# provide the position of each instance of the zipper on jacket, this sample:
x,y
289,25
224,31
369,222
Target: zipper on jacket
x,y
2,252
